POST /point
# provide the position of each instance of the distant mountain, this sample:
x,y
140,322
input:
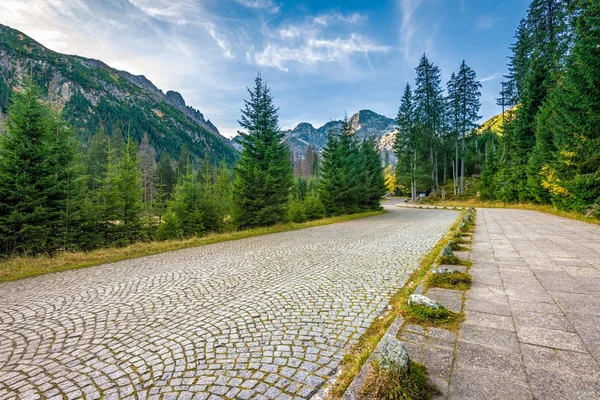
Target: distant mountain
x,y
93,95
364,124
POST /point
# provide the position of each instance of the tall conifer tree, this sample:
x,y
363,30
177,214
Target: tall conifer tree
x,y
264,174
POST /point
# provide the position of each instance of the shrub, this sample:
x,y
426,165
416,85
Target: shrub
x,y
296,211
313,208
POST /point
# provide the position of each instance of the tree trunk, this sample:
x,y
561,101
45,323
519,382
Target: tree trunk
x,y
456,168
462,166
414,179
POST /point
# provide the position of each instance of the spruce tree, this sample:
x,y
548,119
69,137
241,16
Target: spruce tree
x,y
464,94
342,183
38,176
409,147
374,179
186,207
128,185
573,119
66,197
264,174
429,109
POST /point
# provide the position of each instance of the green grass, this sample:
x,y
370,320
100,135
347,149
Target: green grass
x,y
24,267
450,260
454,280
426,316
397,384
355,358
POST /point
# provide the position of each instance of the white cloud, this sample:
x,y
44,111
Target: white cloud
x,y
408,29
268,5
316,50
490,78
337,18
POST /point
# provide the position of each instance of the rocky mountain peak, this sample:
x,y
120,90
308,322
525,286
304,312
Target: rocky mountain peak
x,y
175,98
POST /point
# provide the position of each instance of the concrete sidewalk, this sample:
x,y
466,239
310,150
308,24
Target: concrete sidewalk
x,y
532,326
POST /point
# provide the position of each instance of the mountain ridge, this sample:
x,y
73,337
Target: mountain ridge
x,y
364,124
94,95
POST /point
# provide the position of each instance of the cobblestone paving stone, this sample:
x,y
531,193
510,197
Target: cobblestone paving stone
x,y
264,318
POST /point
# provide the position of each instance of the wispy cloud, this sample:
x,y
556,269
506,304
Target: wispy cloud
x,y
336,18
409,27
315,50
268,5
490,78
325,38
484,22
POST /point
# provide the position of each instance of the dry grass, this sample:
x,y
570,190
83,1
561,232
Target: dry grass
x,y
453,280
360,352
23,267
549,209
428,317
396,384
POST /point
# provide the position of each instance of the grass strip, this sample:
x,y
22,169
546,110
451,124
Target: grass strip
x,y
362,349
24,267
428,317
545,208
453,280
398,384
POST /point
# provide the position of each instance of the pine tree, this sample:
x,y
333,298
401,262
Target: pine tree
x,y
573,119
106,197
464,94
129,189
147,156
184,217
342,183
374,179
406,143
65,198
37,173
429,109
264,175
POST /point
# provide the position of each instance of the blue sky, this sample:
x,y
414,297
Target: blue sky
x,y
321,57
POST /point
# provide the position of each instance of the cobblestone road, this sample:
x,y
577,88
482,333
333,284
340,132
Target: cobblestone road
x,y
265,317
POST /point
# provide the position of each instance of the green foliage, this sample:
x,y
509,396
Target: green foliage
x,y
572,119
128,185
40,190
264,175
374,180
296,211
313,208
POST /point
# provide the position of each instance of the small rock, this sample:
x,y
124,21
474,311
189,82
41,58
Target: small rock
x,y
443,271
393,354
420,300
447,252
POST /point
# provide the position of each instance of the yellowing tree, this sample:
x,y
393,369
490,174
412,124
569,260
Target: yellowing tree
x,y
390,179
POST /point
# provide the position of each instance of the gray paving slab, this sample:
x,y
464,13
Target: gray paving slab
x,y
263,317
533,313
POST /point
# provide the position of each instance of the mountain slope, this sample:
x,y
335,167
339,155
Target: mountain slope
x,y
495,123
93,95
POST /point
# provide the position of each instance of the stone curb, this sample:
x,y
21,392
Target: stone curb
x,y
352,393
